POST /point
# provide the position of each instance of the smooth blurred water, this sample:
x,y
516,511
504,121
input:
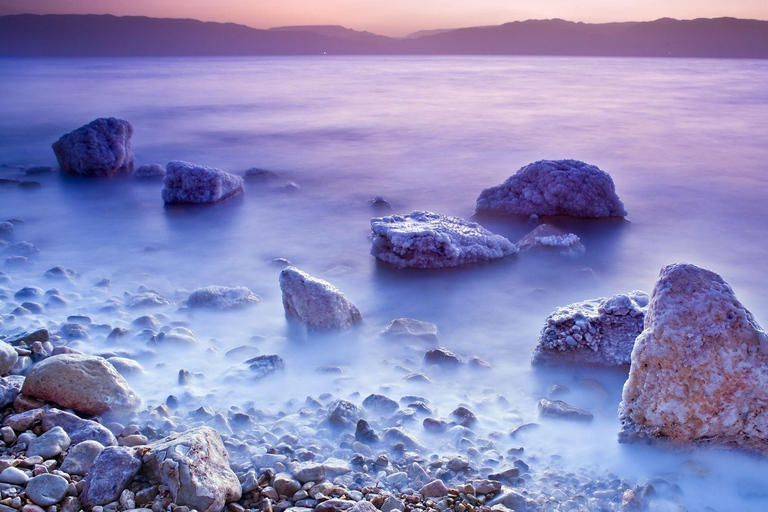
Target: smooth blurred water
x,y
684,140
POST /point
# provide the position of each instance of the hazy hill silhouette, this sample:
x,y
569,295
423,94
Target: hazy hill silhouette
x,y
106,35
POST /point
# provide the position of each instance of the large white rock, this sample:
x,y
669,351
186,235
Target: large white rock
x,y
190,183
86,384
424,239
549,239
554,187
316,303
195,466
8,357
222,297
598,331
100,148
699,370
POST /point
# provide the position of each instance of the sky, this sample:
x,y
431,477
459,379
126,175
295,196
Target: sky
x,y
396,17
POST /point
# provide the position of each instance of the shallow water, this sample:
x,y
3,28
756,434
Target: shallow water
x,y
683,139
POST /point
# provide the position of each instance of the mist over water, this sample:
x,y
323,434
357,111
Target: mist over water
x,y
684,141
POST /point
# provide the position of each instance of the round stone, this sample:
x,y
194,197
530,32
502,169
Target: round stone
x,y
47,489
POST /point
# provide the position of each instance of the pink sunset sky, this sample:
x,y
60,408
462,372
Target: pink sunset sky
x,y
396,17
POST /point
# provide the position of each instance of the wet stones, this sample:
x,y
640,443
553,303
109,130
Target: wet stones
x,y
87,384
443,358
365,433
343,413
380,404
111,472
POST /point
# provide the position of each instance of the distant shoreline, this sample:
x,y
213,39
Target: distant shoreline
x,y
27,35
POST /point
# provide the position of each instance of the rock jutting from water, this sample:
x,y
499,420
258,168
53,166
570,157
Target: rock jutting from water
x,y
187,183
100,148
222,297
598,331
546,238
554,187
149,171
411,329
425,240
699,372
315,303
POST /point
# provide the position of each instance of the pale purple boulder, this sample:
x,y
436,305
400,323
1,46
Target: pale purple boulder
x,y
316,303
196,184
554,187
101,148
423,239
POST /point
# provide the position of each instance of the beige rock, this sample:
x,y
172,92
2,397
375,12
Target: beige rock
x,y
195,466
87,384
699,370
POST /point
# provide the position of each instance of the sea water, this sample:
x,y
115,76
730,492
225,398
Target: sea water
x,y
684,140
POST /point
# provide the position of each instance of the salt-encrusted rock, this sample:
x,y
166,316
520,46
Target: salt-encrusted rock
x,y
100,148
424,239
50,444
60,273
78,429
81,457
557,409
8,357
316,303
699,371
190,183
149,171
195,466
87,384
47,489
222,297
410,328
111,473
554,187
549,239
380,404
598,331
147,300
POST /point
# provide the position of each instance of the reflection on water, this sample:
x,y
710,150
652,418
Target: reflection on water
x,y
683,140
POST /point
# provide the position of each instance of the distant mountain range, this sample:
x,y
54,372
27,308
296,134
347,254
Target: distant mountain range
x,y
66,35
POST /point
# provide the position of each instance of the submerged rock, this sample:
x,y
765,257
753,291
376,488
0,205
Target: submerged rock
x,y
100,148
260,366
699,371
149,171
195,467
196,184
222,297
598,331
410,328
547,238
557,409
60,273
180,336
554,187
316,303
87,384
442,357
342,413
424,239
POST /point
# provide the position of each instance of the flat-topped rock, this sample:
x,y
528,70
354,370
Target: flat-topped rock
x,y
316,303
699,372
222,297
100,148
424,240
196,184
554,187
87,384
598,331
546,238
